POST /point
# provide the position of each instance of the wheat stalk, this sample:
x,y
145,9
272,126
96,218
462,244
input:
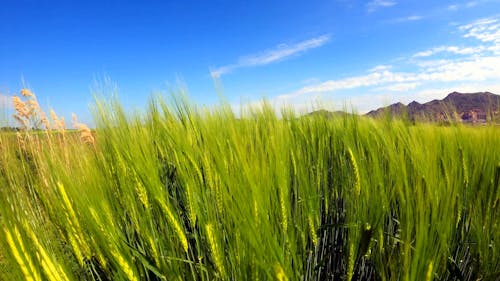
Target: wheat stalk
x,y
429,271
27,272
124,265
53,270
214,247
280,273
357,178
175,224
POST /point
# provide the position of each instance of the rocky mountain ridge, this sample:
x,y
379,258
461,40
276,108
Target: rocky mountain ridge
x,y
478,107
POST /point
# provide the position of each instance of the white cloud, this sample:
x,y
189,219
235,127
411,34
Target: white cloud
x,y
485,30
312,80
471,4
466,5
413,18
478,69
218,72
281,52
372,79
377,4
432,63
494,49
450,49
379,68
400,87
407,19
426,53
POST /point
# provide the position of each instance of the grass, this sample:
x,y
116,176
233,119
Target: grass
x,y
186,193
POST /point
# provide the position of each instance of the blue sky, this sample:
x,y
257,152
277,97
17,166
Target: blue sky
x,y
363,54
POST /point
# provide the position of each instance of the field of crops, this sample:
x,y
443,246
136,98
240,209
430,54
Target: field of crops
x,y
186,193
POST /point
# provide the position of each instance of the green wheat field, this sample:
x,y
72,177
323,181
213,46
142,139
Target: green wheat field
x,y
182,192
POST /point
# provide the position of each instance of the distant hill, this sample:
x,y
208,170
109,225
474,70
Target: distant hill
x,y
465,107
327,114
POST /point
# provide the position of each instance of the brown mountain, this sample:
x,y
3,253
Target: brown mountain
x,y
465,107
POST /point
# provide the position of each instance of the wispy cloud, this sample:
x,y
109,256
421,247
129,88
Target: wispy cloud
x,y
407,19
466,5
377,4
279,53
381,67
400,87
413,18
471,4
450,49
372,79
485,30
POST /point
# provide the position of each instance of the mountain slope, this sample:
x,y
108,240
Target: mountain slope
x,y
466,107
